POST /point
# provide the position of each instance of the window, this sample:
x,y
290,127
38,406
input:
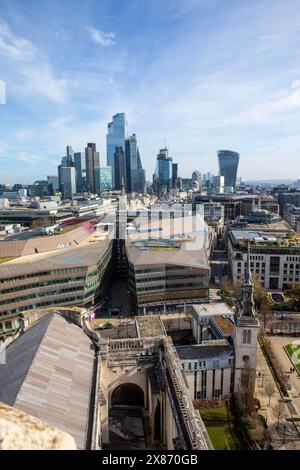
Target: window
x,y
246,336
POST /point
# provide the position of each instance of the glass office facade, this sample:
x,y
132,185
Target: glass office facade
x,y
116,135
228,165
105,178
164,169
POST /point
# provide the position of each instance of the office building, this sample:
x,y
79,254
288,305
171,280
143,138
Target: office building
x,y
228,165
117,133
292,197
79,163
68,181
105,178
218,184
54,181
174,175
292,215
274,259
119,167
164,268
196,180
135,174
92,165
164,169
60,271
39,188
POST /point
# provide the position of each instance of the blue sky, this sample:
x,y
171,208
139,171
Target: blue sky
x,y
199,74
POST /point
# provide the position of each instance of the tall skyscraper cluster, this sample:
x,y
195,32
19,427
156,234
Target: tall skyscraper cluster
x,y
80,172
123,156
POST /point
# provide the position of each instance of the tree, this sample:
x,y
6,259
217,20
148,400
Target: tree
x,y
230,293
260,434
280,412
294,294
266,313
270,390
245,394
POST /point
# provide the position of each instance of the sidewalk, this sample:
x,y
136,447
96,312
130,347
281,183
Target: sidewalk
x,y
294,379
285,436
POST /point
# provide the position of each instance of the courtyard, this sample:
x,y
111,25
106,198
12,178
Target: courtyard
x,y
221,429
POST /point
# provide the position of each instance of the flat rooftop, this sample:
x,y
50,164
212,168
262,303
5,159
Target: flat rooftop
x,y
206,350
212,309
225,325
261,238
178,241
150,326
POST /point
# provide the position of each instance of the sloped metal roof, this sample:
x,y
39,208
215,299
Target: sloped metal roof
x,y
57,385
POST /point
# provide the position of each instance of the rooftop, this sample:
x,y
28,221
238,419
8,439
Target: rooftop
x,y
225,325
261,238
212,309
29,243
180,242
82,256
206,350
150,326
48,374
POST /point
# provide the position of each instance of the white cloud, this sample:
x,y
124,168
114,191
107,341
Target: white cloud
x,y
60,123
15,47
24,134
26,60
40,80
29,158
102,38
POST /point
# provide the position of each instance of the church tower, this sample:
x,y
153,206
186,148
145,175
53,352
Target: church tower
x,y
246,332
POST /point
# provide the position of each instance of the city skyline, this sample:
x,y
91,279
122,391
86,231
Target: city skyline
x,y
68,71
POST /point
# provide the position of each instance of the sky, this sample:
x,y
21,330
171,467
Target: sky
x,y
197,75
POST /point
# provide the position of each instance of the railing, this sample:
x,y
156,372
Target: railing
x,y
193,426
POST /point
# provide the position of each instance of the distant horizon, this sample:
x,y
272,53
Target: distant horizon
x,y
249,181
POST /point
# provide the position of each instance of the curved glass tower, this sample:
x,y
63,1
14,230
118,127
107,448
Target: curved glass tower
x,y
228,165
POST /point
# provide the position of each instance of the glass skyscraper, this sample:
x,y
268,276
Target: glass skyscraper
x,y
105,178
228,165
68,181
92,164
79,163
135,175
117,133
164,169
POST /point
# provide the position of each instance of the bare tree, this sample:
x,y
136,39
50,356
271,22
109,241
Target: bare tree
x,y
280,412
245,395
260,434
266,313
270,390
